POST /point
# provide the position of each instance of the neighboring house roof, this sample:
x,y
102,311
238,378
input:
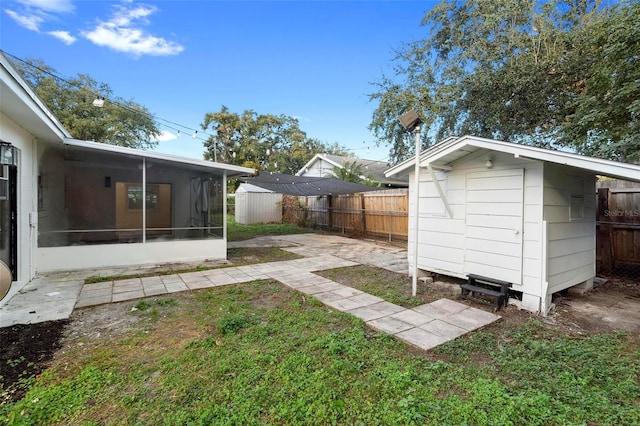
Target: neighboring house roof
x,y
306,186
20,103
439,156
373,169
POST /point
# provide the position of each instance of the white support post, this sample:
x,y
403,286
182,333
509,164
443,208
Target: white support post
x,y
224,206
414,279
144,200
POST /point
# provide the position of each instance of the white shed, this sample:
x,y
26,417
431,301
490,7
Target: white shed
x,y
509,212
257,205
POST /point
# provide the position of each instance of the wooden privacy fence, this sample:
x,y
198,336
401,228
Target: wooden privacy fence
x,y
377,213
618,226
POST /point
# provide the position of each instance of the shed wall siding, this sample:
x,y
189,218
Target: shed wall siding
x,y
258,207
571,245
443,241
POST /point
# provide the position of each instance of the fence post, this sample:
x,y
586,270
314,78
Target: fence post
x,y
329,212
364,214
603,239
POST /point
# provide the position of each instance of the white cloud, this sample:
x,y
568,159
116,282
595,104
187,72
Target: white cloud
x,y
31,22
34,13
121,33
166,136
55,6
63,36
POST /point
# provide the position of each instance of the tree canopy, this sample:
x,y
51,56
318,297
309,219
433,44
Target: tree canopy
x,y
557,74
261,141
118,122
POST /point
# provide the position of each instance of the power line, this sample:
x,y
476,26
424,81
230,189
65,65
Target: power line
x,y
198,134
180,128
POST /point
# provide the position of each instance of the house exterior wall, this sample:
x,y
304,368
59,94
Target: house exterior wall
x,y
319,168
258,207
444,245
51,259
571,252
12,133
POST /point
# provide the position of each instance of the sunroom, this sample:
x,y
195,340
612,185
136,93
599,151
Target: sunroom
x,y
101,205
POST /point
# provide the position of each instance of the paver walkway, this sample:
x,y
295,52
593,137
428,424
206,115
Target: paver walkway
x,y
425,326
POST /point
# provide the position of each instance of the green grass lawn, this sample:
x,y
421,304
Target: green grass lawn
x,y
260,353
239,232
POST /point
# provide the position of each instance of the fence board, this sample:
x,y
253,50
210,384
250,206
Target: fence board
x,y
378,213
618,225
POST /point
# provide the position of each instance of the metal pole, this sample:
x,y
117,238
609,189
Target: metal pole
x,y
144,200
416,193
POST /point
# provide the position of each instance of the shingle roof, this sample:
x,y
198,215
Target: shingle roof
x,y
306,185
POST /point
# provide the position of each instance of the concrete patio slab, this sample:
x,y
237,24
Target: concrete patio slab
x,y
471,319
443,329
412,317
421,339
54,296
389,325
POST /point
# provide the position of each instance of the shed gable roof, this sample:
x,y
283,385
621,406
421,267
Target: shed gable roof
x,y
451,149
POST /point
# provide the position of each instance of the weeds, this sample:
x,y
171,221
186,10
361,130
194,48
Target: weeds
x,y
254,354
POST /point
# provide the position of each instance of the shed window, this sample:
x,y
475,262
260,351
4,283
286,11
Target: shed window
x,y
576,208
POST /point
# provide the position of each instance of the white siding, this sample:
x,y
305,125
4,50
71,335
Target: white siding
x,y
494,223
443,240
571,245
16,135
110,255
319,168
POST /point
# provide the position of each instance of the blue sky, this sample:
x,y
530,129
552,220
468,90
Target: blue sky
x,y
313,60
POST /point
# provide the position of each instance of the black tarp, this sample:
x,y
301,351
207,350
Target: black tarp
x,y
305,185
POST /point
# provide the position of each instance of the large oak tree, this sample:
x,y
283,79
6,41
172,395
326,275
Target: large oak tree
x,y
118,122
558,74
261,141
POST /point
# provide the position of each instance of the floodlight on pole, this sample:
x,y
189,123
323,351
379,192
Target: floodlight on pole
x,y
411,122
98,102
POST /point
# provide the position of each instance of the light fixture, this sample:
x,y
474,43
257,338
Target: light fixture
x,y
410,120
98,102
8,154
488,161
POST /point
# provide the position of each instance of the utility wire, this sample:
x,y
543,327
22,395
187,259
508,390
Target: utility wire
x,y
179,128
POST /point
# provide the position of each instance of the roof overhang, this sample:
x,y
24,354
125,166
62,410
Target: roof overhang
x,y
20,103
230,169
441,155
